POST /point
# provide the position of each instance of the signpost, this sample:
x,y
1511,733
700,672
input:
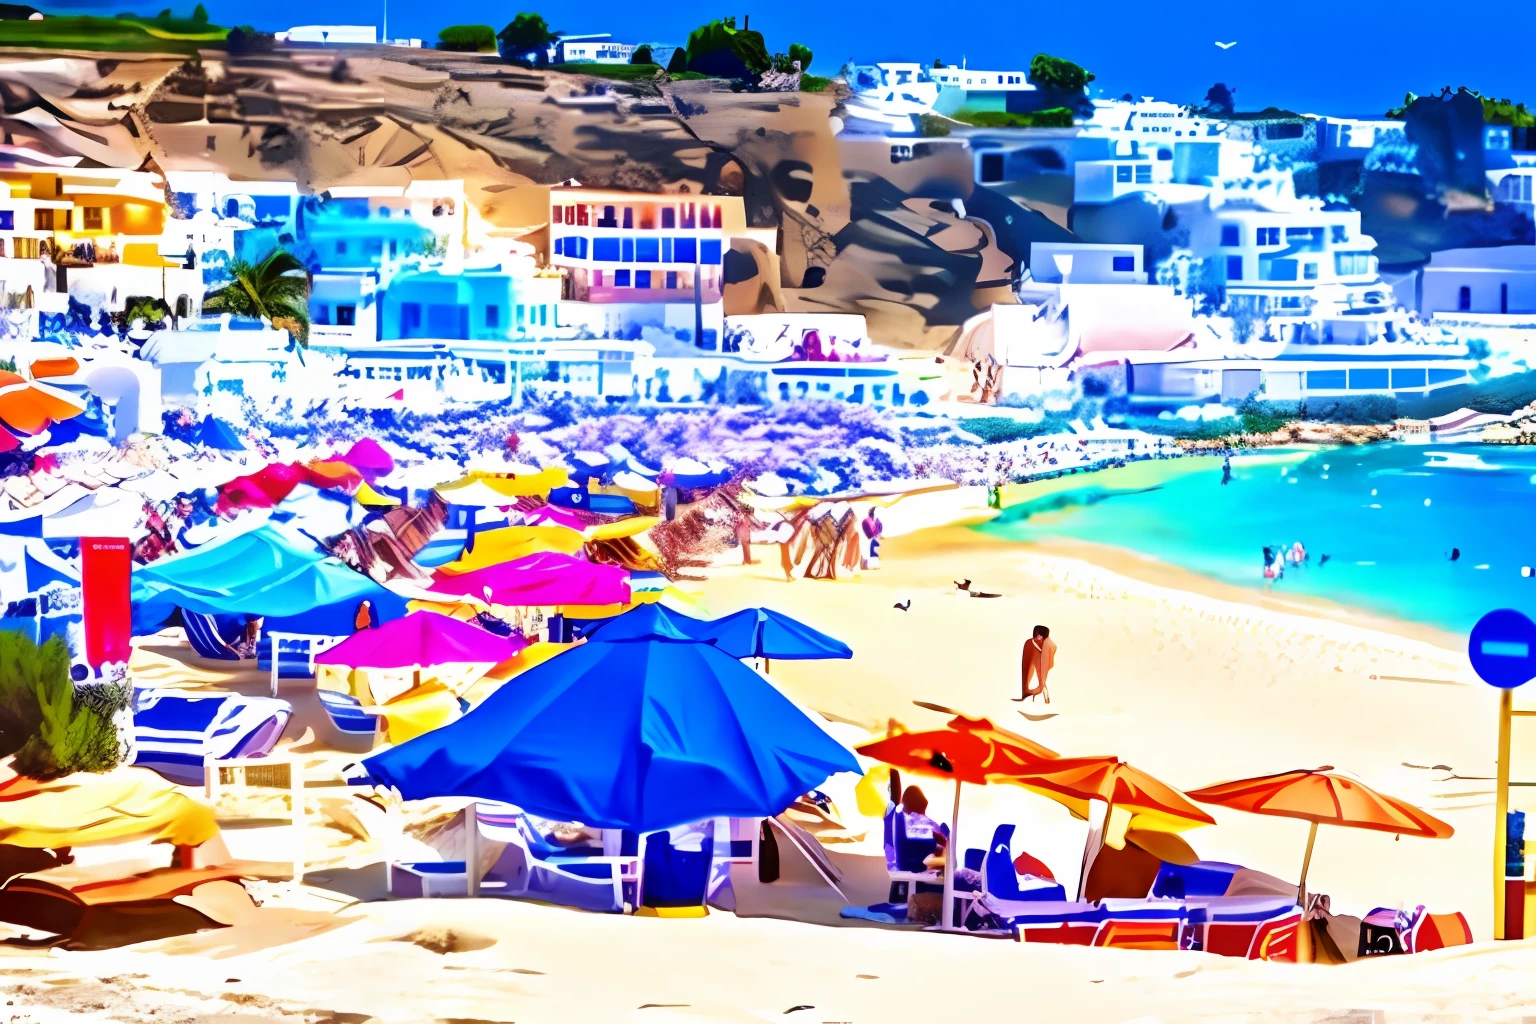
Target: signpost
x,y
1502,648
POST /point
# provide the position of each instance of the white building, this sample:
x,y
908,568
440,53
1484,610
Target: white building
x,y
889,98
1350,138
1274,258
1497,281
1516,189
593,48
1082,263
331,35
974,89
1151,121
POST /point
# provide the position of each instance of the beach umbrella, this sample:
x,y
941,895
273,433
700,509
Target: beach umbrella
x,y
215,433
509,543
643,734
1132,798
369,458
420,640
542,579
966,750
767,634
1323,797
31,406
646,620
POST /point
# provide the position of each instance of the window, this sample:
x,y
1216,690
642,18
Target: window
x,y
1347,263
683,250
704,219
1231,234
647,250
559,247
493,317
621,279
93,218
688,212
608,220
1123,172
597,278
671,279
1325,380
666,250
1143,174
1164,153
629,250
668,217
1368,380
1339,233
1408,379
346,316
629,216
410,319
42,220
1464,299
605,249
991,167
642,279
1269,236
1124,264
341,247
1309,271
1503,297
1234,268
1446,376
581,215
570,215
559,215
7,220
709,251
322,315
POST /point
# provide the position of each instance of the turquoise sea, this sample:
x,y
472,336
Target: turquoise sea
x,y
1387,516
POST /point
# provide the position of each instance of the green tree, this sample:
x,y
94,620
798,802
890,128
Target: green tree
x,y
720,50
164,15
642,55
200,14
1055,73
801,53
44,725
276,290
528,34
938,63
467,38
679,62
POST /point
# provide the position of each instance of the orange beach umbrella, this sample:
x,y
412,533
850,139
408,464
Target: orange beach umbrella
x,y
31,406
1323,797
968,750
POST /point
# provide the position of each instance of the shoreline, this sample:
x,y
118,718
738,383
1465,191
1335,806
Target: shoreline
x,y
958,530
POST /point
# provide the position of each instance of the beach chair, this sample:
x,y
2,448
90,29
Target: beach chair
x,y
1122,924
675,880
905,857
1001,880
178,735
533,867
211,639
1204,878
346,713
291,655
1250,927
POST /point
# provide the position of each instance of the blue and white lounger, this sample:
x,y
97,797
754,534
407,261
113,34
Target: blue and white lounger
x,y
346,713
210,638
177,734
533,867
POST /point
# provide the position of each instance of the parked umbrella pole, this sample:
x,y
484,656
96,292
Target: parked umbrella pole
x,y
951,864
1306,862
472,850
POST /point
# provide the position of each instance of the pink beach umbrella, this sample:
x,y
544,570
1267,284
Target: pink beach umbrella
x,y
542,579
370,459
420,640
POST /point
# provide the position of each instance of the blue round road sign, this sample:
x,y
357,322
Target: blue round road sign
x,y
1503,648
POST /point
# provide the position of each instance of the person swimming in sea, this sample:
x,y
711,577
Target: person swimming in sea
x,y
1226,471
1455,554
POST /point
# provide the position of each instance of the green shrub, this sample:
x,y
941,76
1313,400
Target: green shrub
x,y
679,62
721,50
467,39
1055,73
1054,117
44,726
801,53
931,125
642,55
814,83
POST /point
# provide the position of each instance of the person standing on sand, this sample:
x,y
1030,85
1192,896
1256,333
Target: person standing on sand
x,y
1039,658
872,527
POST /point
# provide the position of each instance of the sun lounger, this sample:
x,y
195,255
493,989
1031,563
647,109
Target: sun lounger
x,y
1202,878
1251,927
177,735
292,655
1124,924
346,713
428,879
531,866
208,638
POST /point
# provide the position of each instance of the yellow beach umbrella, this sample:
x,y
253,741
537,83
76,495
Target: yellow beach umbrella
x,y
82,810
509,543
373,499
503,488
622,528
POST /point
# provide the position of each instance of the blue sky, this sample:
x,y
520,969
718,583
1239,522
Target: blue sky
x,y
1340,56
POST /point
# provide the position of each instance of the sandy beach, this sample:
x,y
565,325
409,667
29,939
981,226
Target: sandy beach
x,y
1193,681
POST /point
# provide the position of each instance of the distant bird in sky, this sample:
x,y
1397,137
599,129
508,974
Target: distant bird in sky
x,y
1227,46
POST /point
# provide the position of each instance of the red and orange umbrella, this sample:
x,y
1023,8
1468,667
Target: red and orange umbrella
x,y
1323,797
968,750
31,407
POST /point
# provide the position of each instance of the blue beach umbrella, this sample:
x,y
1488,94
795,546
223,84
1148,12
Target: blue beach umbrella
x,y
765,633
643,733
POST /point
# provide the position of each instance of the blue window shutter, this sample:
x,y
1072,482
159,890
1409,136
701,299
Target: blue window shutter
x,y
709,251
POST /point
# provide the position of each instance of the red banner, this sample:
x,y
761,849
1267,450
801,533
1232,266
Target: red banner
x,y
105,568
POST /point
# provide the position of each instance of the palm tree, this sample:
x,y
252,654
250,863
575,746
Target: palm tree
x,y
275,290
528,33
